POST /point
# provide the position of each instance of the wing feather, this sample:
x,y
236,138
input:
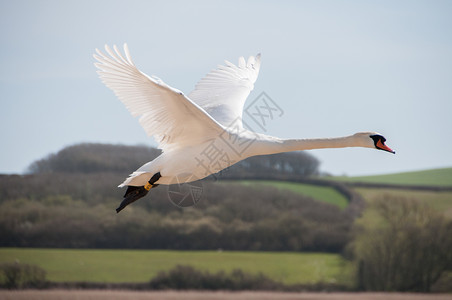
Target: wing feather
x,y
222,92
165,113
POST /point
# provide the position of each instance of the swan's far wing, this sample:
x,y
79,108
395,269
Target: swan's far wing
x,y
165,113
222,92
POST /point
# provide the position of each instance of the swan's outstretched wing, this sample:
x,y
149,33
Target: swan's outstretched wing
x,y
166,113
223,92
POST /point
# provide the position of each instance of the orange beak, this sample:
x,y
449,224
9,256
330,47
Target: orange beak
x,y
382,146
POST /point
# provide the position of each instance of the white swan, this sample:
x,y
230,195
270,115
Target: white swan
x,y
199,134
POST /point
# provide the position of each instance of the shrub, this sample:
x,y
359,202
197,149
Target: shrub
x,y
17,275
187,277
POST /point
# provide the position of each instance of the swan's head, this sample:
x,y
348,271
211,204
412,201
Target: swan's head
x,y
374,140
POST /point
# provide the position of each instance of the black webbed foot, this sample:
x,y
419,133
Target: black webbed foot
x,y
134,193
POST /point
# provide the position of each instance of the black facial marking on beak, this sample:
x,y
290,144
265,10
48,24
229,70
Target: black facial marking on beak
x,y
379,142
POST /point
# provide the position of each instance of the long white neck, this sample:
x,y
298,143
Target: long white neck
x,y
271,145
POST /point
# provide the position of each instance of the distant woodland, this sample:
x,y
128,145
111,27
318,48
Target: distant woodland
x,y
119,159
68,200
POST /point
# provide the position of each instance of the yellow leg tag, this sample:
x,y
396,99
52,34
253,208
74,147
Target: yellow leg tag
x,y
148,186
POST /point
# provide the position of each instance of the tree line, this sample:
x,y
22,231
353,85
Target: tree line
x,y
101,158
68,200
77,211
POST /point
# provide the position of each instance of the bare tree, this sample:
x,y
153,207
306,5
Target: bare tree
x,y
409,249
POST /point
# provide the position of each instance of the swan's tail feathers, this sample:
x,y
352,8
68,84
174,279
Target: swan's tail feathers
x,y
134,193
133,180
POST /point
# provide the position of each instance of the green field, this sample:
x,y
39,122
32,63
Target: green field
x,y
321,193
141,265
435,177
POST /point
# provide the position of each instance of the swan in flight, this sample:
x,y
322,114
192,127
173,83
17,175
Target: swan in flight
x,y
201,133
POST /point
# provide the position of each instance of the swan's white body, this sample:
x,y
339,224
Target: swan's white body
x,y
202,133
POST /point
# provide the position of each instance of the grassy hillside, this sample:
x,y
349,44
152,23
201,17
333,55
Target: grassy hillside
x,y
321,193
435,177
141,265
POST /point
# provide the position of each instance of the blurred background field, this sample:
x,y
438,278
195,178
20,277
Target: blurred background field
x,y
436,177
296,227
99,265
320,193
207,295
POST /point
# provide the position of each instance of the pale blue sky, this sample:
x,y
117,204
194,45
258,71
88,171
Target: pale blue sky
x,y
334,68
